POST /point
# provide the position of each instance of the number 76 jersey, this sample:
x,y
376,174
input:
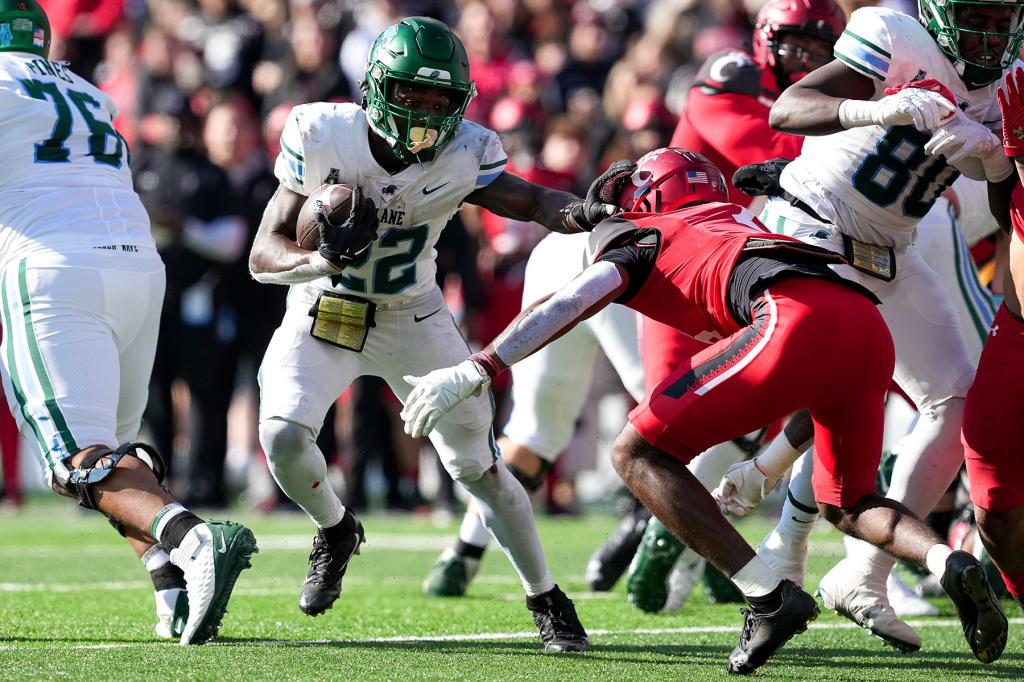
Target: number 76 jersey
x,y
65,184
875,183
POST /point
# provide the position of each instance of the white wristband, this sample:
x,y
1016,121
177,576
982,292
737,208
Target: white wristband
x,y
855,113
317,267
322,266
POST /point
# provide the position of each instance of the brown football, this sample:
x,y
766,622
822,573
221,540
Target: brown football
x,y
338,201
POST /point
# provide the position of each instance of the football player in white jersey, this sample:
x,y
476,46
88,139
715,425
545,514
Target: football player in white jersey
x,y
81,287
548,392
883,155
376,308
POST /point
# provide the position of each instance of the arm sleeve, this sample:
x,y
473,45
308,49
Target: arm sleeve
x,y
738,127
493,160
637,253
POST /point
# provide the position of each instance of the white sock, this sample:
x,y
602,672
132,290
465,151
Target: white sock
x,y
300,469
755,579
472,531
936,559
506,512
799,511
709,466
155,557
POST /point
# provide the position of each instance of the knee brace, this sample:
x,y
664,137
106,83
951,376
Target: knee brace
x,y
531,483
77,482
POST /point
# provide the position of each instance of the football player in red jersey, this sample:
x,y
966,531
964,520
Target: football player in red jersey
x,y
995,466
726,114
791,334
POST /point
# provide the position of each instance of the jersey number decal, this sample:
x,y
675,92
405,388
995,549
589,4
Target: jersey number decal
x,y
884,174
53,149
384,280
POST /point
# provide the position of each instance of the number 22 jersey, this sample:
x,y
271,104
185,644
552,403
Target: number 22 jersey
x,y
65,184
874,183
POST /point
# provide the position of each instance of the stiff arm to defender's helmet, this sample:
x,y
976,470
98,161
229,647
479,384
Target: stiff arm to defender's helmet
x,y
945,19
418,51
24,27
670,178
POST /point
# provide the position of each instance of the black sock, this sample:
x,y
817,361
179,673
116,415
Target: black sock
x,y
768,603
167,577
341,530
176,529
545,599
464,549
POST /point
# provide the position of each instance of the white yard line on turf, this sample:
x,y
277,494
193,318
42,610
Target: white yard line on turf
x,y
484,636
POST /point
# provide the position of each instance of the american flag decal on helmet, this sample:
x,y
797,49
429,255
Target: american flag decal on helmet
x,y
697,176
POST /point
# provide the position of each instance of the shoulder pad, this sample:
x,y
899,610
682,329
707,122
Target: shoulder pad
x,y
731,71
605,233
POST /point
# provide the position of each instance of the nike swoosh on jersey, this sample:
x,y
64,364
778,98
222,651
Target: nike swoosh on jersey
x,y
434,189
417,318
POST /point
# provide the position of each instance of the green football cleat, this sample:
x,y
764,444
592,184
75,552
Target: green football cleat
x,y
719,589
211,555
647,578
451,575
171,612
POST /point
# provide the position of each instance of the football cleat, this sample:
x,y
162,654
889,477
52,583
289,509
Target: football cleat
x,y
982,617
556,619
764,633
450,575
863,601
327,565
647,579
906,602
685,574
211,556
611,559
171,612
719,589
788,559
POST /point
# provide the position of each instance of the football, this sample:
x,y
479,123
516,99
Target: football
x,y
338,201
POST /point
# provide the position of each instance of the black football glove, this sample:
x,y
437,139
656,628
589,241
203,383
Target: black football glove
x,y
760,179
346,242
603,195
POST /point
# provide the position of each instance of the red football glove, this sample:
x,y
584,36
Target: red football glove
x,y
1011,108
932,85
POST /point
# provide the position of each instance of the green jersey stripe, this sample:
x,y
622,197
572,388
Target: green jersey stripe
x,y
867,43
489,166
19,391
288,149
50,399
859,67
979,326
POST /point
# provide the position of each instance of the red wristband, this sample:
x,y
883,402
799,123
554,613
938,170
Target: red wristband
x,y
489,364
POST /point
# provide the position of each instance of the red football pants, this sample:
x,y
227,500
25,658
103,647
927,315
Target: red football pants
x,y
991,432
812,344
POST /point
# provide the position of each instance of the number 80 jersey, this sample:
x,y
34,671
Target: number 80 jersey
x,y
874,183
65,184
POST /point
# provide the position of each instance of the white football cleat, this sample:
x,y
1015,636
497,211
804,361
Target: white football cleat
x,y
863,601
687,572
171,612
905,602
788,559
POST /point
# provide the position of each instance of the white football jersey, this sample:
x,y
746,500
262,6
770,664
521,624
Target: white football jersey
x,y
874,183
327,143
65,184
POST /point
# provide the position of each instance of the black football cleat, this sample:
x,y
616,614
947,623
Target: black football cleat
x,y
327,564
556,619
982,617
612,558
764,633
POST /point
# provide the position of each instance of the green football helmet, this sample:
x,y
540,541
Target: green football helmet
x,y
940,18
24,27
420,51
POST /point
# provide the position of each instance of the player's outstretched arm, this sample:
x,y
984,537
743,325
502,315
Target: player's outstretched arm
x,y
512,197
275,258
435,394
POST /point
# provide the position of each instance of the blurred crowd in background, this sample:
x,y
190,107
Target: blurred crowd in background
x,y
204,87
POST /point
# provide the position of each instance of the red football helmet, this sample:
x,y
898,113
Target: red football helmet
x,y
670,178
819,18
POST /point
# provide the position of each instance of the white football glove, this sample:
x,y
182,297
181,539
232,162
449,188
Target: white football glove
x,y
923,109
743,487
962,138
435,394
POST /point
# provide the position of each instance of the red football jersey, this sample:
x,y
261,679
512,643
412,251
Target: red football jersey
x,y
1017,210
726,117
688,286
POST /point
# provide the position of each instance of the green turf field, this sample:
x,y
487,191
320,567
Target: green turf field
x,y
75,603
